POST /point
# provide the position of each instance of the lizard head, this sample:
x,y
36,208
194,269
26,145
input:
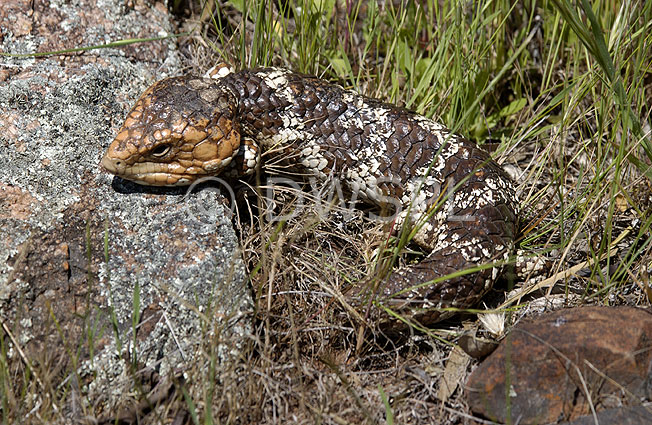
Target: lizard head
x,y
181,129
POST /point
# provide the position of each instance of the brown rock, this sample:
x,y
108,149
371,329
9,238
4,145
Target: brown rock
x,y
636,415
558,365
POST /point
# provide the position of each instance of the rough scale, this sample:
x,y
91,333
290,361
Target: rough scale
x,y
185,128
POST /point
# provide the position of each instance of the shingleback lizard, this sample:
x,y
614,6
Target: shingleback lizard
x,y
185,128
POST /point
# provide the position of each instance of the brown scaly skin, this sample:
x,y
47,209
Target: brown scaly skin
x,y
185,128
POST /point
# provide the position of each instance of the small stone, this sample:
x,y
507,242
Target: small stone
x,y
547,365
636,415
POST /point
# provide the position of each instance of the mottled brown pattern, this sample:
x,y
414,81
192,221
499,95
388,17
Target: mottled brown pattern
x,y
381,154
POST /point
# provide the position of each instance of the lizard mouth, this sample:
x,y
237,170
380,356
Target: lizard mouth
x,y
147,173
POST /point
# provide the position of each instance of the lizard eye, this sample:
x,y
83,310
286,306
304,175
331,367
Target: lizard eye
x,y
160,150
